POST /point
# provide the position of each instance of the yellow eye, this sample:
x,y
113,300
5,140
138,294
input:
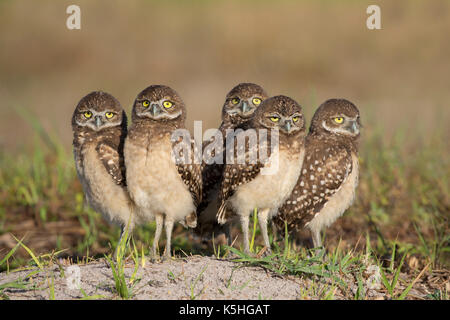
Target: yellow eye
x,y
87,114
145,103
256,101
338,119
274,119
295,119
235,100
167,104
109,115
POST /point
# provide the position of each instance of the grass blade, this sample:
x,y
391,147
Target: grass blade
x,y
36,260
10,253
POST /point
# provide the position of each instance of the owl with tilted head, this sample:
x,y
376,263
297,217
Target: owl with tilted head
x,y
237,110
162,188
327,184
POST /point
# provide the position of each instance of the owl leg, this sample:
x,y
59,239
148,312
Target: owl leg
x,y
244,225
274,231
262,218
168,223
316,238
228,234
159,224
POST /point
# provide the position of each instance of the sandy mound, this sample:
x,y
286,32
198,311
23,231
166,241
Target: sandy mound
x,y
194,277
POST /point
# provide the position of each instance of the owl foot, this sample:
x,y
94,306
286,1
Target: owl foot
x,y
166,257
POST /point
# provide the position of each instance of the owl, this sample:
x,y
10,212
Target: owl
x,y
99,127
162,187
327,184
240,104
265,168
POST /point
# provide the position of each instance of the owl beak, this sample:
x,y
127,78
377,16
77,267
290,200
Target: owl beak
x,y
244,107
353,127
98,121
287,126
155,109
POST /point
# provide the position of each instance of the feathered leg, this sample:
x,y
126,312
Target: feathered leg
x,y
159,218
316,238
169,226
262,218
244,224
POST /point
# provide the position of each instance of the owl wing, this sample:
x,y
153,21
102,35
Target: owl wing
x,y
191,173
113,161
211,178
325,169
212,172
239,172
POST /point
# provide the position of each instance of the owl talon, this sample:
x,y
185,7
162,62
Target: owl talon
x,y
166,257
154,257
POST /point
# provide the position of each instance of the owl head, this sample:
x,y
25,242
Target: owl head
x,y
280,112
241,102
338,117
159,103
98,111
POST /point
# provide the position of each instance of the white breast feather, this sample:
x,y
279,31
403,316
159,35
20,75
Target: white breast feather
x,y
271,190
154,182
102,193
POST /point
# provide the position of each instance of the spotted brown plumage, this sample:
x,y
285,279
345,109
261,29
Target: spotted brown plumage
x,y
245,186
190,172
239,106
321,177
163,188
113,161
326,186
99,127
236,174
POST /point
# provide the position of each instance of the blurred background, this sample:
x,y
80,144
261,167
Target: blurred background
x,y
310,50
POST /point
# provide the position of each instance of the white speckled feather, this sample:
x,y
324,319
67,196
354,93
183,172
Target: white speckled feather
x,y
339,202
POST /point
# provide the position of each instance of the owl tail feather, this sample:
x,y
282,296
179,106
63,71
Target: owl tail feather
x,y
221,213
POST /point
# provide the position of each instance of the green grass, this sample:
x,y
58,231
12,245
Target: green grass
x,y
124,288
328,271
193,284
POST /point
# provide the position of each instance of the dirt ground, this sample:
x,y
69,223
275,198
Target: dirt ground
x,y
194,277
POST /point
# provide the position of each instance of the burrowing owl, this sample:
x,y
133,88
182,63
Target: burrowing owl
x,y
263,184
240,104
164,189
326,187
99,127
